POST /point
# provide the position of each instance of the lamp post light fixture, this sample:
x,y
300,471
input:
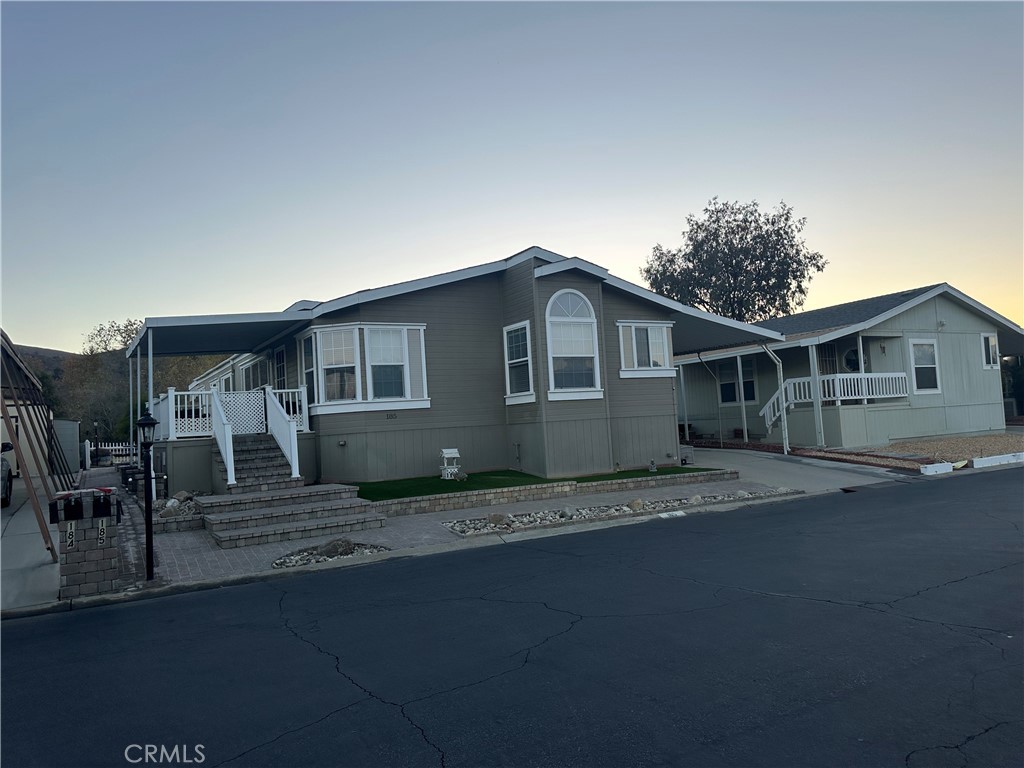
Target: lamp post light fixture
x,y
147,426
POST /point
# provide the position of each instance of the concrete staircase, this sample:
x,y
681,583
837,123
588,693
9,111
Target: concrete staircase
x,y
267,504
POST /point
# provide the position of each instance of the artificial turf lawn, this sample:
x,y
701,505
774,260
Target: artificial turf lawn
x,y
487,481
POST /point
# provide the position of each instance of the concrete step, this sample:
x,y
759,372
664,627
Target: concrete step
x,y
255,485
309,494
301,529
254,518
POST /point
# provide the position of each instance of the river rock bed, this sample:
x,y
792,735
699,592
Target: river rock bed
x,y
323,553
506,523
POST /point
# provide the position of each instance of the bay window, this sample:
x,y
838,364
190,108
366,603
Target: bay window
x,y
361,367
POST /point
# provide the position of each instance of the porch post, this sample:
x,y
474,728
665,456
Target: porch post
x,y
682,394
138,391
742,400
131,414
860,358
819,429
149,373
172,415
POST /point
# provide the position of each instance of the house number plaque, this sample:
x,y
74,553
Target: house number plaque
x,y
101,535
69,535
390,415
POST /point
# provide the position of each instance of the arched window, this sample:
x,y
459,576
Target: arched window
x,y
573,370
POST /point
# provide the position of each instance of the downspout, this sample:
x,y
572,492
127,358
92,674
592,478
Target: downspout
x,y
782,394
718,388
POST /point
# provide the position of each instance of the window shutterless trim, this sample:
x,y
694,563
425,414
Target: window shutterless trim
x,y
353,406
630,369
985,347
587,393
575,394
934,343
518,398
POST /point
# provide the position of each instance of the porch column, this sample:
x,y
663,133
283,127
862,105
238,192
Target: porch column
x,y
149,373
138,394
682,394
860,358
743,403
819,429
172,415
131,414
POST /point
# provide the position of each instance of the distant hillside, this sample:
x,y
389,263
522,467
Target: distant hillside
x,y
52,362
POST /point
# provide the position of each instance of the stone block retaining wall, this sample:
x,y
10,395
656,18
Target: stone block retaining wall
x,y
448,502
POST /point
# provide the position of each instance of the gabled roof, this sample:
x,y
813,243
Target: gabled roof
x,y
208,334
842,315
829,323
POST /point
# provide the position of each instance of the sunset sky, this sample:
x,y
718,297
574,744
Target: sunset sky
x,y
175,159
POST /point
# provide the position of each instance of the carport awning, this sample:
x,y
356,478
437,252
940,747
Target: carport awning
x,y
215,334
697,331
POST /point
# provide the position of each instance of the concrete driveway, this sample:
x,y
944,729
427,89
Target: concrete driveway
x,y
796,472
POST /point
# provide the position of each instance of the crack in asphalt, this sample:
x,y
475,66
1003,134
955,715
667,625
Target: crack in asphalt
x,y
960,746
1002,520
286,624
290,732
890,603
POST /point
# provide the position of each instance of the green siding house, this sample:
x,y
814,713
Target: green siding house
x,y
537,362
916,363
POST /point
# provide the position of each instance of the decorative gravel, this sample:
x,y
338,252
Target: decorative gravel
x,y
502,523
958,448
324,553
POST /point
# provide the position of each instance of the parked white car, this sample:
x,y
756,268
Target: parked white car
x,y
6,475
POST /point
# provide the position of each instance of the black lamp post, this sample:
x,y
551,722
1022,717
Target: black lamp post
x,y
147,426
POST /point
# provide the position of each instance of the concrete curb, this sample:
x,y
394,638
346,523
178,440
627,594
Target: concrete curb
x,y
470,542
994,461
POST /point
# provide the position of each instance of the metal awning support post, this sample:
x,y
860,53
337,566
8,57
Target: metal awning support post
x,y
682,394
782,394
860,359
742,400
819,429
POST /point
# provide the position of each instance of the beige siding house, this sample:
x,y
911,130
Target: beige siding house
x,y
537,362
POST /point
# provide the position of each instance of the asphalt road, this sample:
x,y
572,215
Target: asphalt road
x,y
875,628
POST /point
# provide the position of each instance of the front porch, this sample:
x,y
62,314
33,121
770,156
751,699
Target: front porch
x,y
210,418
836,409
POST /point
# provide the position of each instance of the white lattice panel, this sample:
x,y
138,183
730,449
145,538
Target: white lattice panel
x,y
245,411
192,414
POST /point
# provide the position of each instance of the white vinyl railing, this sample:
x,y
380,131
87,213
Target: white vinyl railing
x,y
834,389
284,430
191,412
222,433
293,401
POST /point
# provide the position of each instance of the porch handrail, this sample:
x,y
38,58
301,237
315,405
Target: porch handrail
x,y
835,387
161,413
284,429
293,401
222,433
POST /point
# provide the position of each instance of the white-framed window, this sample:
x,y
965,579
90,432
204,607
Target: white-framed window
x,y
644,350
227,382
924,359
989,351
340,363
307,364
280,369
518,364
386,357
254,375
574,372
728,393
362,367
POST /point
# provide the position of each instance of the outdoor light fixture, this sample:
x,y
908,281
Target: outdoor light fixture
x,y
147,427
